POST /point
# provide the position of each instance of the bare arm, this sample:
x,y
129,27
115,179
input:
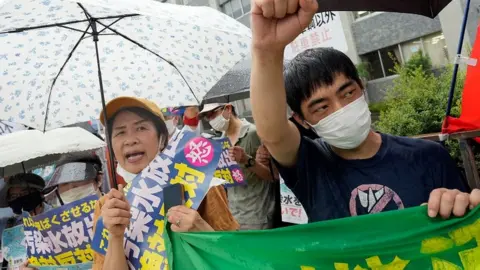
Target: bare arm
x,y
261,171
115,258
269,107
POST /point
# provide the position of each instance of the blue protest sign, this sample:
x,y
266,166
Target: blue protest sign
x,y
188,160
61,236
13,246
228,169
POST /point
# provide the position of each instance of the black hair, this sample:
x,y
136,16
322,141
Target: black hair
x,y
29,179
160,126
304,132
315,68
234,111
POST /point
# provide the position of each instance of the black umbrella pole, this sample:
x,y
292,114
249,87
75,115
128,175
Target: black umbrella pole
x,y
104,107
459,51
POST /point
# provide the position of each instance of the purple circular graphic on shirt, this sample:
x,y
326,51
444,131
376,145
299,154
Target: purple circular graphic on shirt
x,y
374,198
199,151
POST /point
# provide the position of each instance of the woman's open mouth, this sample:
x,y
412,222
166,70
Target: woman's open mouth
x,y
134,157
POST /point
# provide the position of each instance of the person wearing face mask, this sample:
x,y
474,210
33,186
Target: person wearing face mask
x,y
351,170
24,195
190,118
171,121
138,133
76,176
252,205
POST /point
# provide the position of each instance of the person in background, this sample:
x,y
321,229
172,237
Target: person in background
x,y
190,118
351,170
171,121
253,204
24,195
138,134
77,175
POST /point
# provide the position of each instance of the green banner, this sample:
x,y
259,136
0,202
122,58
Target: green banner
x,y
395,240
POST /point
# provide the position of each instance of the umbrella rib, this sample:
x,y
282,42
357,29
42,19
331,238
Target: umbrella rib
x,y
58,74
73,29
154,53
18,30
114,22
23,29
105,28
90,35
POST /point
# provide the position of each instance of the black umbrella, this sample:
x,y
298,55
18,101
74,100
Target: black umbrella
x,y
234,85
429,8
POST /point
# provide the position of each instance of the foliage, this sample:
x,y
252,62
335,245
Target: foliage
x,y
377,107
417,101
419,60
364,70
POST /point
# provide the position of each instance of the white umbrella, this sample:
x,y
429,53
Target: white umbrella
x,y
57,56
9,127
29,149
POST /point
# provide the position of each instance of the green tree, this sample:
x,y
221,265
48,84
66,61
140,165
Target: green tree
x,y
364,70
419,60
416,102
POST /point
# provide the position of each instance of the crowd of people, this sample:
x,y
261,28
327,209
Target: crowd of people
x,y
325,149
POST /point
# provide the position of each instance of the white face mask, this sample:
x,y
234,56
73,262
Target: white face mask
x,y
127,176
170,126
219,123
346,128
75,194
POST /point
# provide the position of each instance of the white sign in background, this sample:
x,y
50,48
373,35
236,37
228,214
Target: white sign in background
x,y
325,30
292,209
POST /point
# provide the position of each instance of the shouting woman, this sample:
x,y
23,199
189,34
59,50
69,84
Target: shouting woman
x,y
138,133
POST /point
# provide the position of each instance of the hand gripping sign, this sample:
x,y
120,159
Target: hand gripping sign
x,y
228,169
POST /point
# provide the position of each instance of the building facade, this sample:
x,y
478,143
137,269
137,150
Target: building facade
x,y
380,38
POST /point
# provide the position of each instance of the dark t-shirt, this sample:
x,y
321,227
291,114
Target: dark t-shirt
x,y
402,174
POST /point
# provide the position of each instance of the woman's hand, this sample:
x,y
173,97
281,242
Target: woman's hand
x,y
25,266
116,212
184,219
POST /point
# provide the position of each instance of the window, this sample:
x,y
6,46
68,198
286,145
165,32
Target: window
x,y
383,61
390,57
360,14
410,48
376,70
236,8
436,48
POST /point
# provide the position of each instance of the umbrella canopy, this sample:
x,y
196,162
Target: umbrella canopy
x,y
9,127
429,8
53,50
29,149
234,85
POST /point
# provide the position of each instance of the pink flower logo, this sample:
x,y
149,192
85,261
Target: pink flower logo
x,y
199,151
